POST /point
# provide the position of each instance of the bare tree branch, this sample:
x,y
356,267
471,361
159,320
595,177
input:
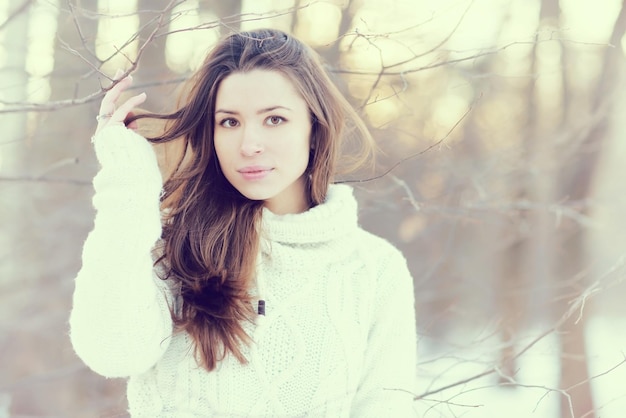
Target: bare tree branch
x,y
576,305
417,154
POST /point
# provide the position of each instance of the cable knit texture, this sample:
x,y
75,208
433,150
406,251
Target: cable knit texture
x,y
338,338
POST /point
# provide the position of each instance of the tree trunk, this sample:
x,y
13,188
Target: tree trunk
x,y
574,375
13,85
511,295
576,185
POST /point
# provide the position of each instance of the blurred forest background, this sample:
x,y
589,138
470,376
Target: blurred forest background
x,y
503,123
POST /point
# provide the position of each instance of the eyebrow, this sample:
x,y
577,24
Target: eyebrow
x,y
264,110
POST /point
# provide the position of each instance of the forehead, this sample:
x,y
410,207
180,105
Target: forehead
x,y
257,89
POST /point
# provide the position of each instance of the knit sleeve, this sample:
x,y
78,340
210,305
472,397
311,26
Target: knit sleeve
x,y
388,384
120,320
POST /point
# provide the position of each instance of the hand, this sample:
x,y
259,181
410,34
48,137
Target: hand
x,y
110,114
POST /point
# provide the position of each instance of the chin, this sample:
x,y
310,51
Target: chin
x,y
250,193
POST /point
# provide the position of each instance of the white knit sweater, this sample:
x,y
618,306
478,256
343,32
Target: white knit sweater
x,y
338,338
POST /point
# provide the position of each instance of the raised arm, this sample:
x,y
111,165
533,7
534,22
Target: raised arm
x,y
120,322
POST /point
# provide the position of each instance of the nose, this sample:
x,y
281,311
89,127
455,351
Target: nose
x,y
251,143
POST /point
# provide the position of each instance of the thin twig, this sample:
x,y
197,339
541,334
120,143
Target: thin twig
x,y
37,179
574,306
417,154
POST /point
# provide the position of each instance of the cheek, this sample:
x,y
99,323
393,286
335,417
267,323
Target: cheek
x,y
303,145
297,152
221,152
302,160
307,151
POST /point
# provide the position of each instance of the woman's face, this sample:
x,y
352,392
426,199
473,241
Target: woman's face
x,y
262,138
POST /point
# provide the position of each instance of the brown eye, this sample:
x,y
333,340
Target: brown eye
x,y
274,120
229,123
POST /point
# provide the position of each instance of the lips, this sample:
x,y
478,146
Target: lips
x,y
255,172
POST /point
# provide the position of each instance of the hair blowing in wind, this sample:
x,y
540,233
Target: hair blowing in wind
x,y
211,232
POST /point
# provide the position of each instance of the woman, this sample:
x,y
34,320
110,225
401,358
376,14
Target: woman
x,y
266,298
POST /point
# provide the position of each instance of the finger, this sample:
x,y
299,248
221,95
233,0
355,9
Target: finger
x,y
120,115
111,96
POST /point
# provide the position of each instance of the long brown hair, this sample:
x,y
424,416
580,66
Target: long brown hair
x,y
211,232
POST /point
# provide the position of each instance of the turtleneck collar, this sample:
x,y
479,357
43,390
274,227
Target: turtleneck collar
x,y
335,217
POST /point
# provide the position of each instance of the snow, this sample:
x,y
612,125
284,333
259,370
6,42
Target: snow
x,y
535,396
